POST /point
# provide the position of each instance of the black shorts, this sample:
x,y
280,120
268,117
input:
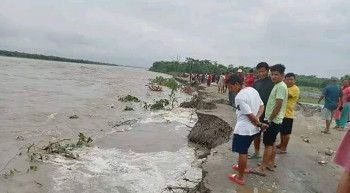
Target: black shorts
x,y
241,143
286,127
270,134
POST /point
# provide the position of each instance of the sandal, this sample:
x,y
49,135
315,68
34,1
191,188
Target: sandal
x,y
255,171
254,156
270,169
274,165
236,168
325,132
281,152
233,178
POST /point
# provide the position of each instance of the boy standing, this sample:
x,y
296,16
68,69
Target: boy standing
x,y
287,124
249,107
274,114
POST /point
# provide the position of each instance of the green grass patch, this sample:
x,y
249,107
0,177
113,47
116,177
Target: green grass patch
x,y
310,89
309,100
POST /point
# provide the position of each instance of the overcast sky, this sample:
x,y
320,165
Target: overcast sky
x,y
308,36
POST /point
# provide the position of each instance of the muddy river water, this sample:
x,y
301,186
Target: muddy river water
x,y
36,99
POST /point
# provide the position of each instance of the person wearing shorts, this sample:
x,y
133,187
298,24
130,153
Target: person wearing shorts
x,y
274,114
264,87
287,124
249,107
332,95
221,83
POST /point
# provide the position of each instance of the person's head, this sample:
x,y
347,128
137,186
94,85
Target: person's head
x,y
251,71
263,70
290,79
277,73
333,80
234,83
345,83
223,73
240,72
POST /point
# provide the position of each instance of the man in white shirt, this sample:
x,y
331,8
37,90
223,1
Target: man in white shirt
x,y
249,108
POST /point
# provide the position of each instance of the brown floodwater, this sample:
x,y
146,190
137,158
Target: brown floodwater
x,y
36,99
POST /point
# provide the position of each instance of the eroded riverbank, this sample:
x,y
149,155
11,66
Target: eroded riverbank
x,y
297,171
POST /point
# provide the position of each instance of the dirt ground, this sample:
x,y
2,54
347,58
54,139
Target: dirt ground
x,y
297,171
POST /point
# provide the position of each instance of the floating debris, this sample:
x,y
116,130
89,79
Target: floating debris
x,y
20,138
160,105
128,108
129,98
73,117
155,88
120,123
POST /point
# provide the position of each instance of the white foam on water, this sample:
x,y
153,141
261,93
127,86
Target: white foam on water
x,y
121,128
182,115
104,170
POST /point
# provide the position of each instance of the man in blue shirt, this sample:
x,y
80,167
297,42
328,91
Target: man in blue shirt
x,y
332,95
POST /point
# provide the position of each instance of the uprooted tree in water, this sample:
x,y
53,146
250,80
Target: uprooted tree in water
x,y
58,147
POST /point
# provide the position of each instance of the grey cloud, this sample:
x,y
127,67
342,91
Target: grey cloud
x,y
310,37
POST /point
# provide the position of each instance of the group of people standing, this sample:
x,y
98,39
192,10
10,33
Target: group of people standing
x,y
265,107
207,78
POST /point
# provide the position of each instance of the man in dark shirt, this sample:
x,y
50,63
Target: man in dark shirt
x,y
264,87
332,95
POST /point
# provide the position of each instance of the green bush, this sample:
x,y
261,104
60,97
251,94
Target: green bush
x,y
129,98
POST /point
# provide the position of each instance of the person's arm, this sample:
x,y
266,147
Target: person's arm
x,y
340,98
261,111
276,110
341,104
255,120
322,96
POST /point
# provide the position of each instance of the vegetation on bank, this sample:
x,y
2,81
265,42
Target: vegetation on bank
x,y
168,82
51,58
207,66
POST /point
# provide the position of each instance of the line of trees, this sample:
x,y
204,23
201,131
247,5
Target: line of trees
x,y
51,58
191,65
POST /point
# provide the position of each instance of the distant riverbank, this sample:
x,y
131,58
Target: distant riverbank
x,y
50,58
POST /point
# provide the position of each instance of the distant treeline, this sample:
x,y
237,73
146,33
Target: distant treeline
x,y
52,58
207,66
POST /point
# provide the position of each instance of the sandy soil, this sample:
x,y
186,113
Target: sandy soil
x,y
297,171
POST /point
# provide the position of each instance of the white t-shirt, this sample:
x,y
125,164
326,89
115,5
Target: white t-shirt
x,y
221,80
247,101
